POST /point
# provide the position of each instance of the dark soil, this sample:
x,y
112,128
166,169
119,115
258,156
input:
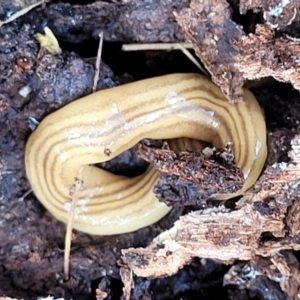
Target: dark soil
x,y
31,240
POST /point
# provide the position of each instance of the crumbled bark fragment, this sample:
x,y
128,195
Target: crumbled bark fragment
x,y
279,143
242,277
161,262
267,207
219,235
208,26
231,56
127,279
263,54
278,14
141,289
140,286
100,295
103,289
175,192
190,178
268,273
21,64
277,188
293,219
225,236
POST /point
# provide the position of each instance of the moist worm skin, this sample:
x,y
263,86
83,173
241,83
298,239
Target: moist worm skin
x,y
112,121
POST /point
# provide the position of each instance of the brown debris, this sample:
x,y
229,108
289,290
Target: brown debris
x,y
103,289
278,185
127,279
208,26
227,236
262,54
261,274
156,263
293,220
100,295
21,64
190,178
279,144
278,14
212,233
135,289
231,56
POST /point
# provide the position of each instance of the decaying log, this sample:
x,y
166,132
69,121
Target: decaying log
x,y
265,223
191,177
232,56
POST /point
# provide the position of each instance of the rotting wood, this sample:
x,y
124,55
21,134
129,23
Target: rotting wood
x,y
190,177
230,55
257,229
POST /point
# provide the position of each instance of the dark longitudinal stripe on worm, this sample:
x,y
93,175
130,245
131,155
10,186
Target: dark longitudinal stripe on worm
x,y
54,186
178,83
83,125
93,144
145,188
54,163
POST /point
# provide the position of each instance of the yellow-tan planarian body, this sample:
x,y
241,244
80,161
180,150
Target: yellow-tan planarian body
x,y
85,131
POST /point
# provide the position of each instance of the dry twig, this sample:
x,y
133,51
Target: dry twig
x,y
193,60
167,46
22,12
77,187
161,46
98,62
78,181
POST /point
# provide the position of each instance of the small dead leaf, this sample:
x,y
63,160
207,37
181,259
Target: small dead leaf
x,y
48,41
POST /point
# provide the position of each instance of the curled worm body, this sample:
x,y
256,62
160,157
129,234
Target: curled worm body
x,y
111,121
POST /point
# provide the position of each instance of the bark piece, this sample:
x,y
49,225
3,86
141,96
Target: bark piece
x,y
231,56
103,289
219,235
263,274
256,228
262,54
127,279
279,144
208,26
278,14
190,178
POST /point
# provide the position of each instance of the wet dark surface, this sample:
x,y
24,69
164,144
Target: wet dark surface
x,y
31,241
